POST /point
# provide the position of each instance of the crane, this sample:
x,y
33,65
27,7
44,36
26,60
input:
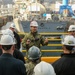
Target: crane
x,y
66,8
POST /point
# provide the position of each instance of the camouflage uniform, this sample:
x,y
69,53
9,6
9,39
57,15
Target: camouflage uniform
x,y
36,39
29,68
34,57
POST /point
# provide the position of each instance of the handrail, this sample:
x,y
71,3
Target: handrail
x,y
50,39
47,50
54,45
47,33
53,33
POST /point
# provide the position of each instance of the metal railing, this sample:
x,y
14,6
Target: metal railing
x,y
47,50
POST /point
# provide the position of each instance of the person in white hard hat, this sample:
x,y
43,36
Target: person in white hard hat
x,y
71,30
8,64
66,64
17,37
33,38
17,54
7,31
44,68
12,26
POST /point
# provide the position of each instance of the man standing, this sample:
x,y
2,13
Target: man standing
x,y
17,37
33,38
8,64
66,64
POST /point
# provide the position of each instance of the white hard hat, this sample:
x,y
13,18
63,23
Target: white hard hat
x,y
7,32
7,40
44,68
69,40
12,25
71,28
34,23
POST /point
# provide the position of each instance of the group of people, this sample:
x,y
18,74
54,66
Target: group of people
x,y
63,66
66,64
11,31
12,61
10,56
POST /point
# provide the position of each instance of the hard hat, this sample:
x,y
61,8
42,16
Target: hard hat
x,y
12,25
7,40
44,68
71,28
68,40
34,53
34,23
7,32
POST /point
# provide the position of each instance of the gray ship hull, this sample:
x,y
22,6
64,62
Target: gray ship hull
x,y
46,26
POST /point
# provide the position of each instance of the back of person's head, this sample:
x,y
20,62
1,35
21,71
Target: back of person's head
x,y
34,53
34,23
7,41
44,68
71,28
69,42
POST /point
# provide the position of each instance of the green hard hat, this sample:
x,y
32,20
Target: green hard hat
x,y
34,53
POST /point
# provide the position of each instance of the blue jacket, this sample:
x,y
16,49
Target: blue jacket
x,y
11,66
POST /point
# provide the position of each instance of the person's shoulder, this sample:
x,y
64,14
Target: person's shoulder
x,y
17,51
57,62
39,34
26,34
15,33
17,61
30,65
